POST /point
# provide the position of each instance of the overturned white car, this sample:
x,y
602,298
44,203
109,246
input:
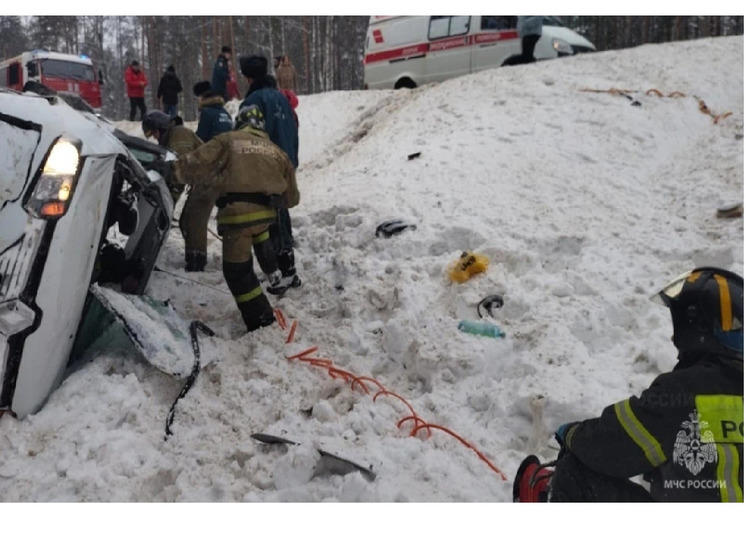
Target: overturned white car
x,y
66,178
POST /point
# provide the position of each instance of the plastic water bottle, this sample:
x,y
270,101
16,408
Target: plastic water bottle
x,y
481,328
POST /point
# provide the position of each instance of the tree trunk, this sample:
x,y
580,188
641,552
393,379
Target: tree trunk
x,y
306,57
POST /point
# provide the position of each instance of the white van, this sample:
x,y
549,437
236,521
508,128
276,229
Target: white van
x,y
407,51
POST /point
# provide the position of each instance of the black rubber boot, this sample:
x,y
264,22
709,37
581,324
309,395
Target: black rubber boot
x,y
257,313
195,260
286,263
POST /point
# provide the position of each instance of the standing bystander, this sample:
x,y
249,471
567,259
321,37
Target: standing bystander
x,y
136,81
168,91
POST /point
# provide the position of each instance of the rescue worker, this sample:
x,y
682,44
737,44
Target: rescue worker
x,y
684,433
283,131
213,118
195,216
221,72
253,178
173,135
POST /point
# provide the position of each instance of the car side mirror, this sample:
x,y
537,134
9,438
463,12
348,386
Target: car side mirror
x,y
100,77
32,69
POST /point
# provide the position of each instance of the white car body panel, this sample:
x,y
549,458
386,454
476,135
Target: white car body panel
x,y
63,287
46,265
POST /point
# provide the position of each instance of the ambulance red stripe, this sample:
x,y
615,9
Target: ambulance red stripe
x,y
444,44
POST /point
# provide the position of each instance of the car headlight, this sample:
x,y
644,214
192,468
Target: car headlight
x,y
562,47
54,187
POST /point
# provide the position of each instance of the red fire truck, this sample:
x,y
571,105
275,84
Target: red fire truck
x,y
58,71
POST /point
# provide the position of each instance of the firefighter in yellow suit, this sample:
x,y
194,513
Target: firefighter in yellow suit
x,y
251,178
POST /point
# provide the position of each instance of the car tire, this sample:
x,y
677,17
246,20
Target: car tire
x,y
405,83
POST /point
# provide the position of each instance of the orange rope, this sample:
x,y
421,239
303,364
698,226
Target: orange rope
x,y
702,105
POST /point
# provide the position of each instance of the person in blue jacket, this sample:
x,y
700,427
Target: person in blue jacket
x,y
213,120
283,131
221,72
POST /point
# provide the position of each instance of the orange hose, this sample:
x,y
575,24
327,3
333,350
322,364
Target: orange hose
x,y
316,362
395,395
336,372
280,318
374,381
465,443
303,353
291,336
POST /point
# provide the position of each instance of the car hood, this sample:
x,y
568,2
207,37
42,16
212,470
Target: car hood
x,y
30,124
568,35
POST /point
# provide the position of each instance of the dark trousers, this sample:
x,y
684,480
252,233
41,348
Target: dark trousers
x,y
527,48
135,103
281,233
574,482
238,270
171,110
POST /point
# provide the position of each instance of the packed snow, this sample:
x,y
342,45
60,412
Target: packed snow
x,y
584,202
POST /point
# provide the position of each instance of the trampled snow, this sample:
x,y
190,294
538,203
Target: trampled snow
x,y
585,204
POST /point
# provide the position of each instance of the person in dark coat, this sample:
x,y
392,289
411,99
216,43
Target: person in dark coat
x,y
683,434
529,30
168,91
283,131
195,217
221,72
213,118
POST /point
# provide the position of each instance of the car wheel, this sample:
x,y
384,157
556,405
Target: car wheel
x,y
405,82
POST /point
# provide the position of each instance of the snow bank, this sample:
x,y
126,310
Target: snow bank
x,y
584,203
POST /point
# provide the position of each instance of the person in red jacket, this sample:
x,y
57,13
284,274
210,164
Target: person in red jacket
x,y
136,81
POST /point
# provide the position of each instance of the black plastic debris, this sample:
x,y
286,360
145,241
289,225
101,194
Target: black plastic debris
x,y
393,227
414,155
327,463
731,210
271,439
489,304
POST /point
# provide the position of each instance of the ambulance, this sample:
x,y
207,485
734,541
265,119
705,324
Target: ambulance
x,y
407,51
73,73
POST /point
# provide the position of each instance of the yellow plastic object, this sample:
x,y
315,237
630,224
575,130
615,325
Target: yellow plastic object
x,y
467,265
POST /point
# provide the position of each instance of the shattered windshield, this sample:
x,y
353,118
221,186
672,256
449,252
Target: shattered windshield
x,y
17,147
65,69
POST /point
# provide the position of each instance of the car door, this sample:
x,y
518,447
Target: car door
x,y
449,53
496,40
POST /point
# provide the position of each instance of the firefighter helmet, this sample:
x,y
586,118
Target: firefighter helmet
x,y
706,307
251,116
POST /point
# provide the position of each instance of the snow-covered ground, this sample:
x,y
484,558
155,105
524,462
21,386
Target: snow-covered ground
x,y
584,204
